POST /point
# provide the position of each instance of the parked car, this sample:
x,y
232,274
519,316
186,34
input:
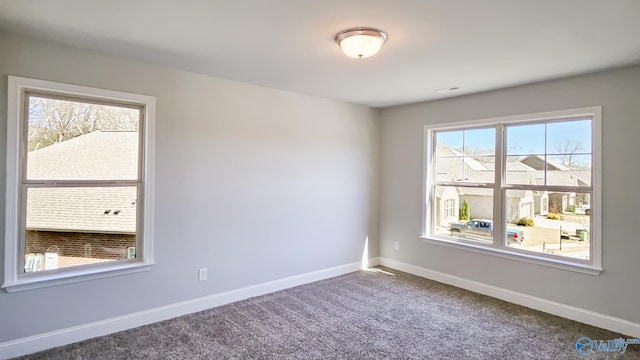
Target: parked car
x,y
586,209
483,228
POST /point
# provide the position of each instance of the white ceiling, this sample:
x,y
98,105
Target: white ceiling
x,y
289,44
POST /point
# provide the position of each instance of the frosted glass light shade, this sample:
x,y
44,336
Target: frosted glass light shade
x,y
360,43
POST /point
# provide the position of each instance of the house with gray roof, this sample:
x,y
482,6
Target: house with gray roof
x,y
453,167
558,174
84,224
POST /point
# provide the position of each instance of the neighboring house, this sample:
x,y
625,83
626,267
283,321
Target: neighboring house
x,y
452,167
447,206
520,204
480,202
558,174
75,226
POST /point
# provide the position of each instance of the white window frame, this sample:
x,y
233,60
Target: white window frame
x,y
451,208
499,246
14,278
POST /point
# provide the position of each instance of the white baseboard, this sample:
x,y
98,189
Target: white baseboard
x,y
32,344
551,307
373,262
62,337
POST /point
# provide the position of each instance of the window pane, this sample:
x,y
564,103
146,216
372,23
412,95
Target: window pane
x,y
470,217
481,169
550,222
70,140
450,139
450,169
465,169
479,142
446,209
466,156
519,173
569,137
76,226
558,154
526,139
578,173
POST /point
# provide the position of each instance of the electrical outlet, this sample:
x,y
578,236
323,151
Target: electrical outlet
x,y
397,245
202,274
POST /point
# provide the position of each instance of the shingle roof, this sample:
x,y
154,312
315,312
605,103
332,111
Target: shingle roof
x,y
565,177
521,177
98,155
518,166
519,173
104,210
444,177
469,162
538,162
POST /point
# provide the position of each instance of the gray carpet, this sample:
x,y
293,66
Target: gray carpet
x,y
382,314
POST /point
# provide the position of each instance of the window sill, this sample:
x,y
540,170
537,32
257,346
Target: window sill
x,y
516,256
42,279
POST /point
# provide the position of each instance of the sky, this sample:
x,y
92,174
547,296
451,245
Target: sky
x,y
526,139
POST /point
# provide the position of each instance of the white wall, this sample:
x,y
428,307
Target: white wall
x,y
615,291
255,184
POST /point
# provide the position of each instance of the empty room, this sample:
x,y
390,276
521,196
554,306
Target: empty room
x,y
302,179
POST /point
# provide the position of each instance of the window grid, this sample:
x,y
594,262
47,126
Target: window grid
x,y
501,187
140,184
77,183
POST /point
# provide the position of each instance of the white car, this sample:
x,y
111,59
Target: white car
x,y
586,209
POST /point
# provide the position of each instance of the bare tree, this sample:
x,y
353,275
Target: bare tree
x,y
568,151
52,121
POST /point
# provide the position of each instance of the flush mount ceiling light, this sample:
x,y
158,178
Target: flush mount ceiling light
x,y
361,42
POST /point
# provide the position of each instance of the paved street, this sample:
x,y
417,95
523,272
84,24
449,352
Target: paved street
x,y
545,236
570,225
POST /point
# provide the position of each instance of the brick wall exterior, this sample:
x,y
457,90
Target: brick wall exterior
x,y
79,248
